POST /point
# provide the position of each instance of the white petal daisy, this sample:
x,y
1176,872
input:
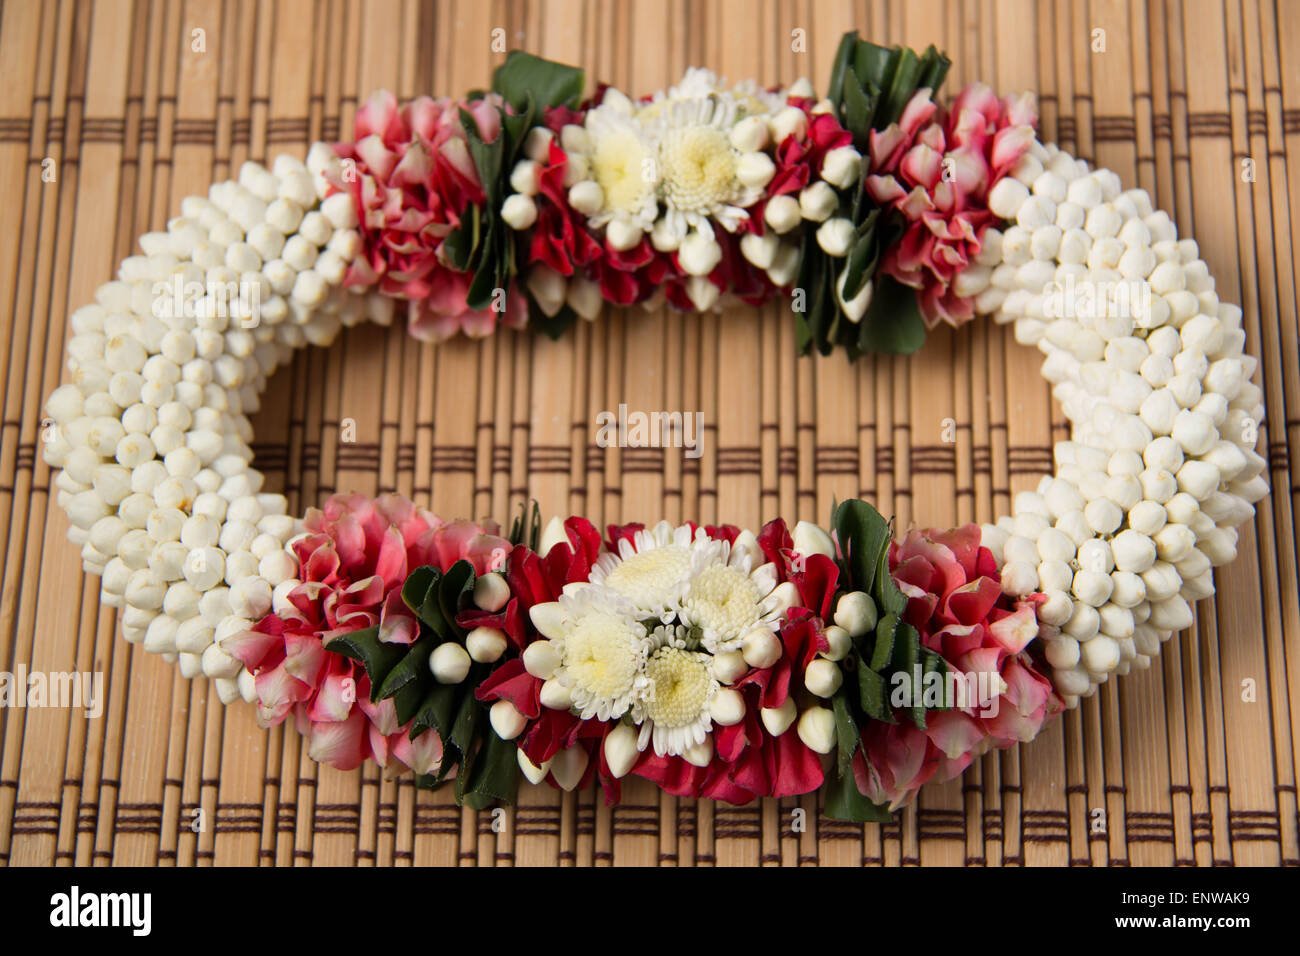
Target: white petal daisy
x,y
622,160
698,83
675,715
602,649
698,166
727,600
654,569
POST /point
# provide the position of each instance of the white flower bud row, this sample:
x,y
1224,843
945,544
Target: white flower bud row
x,y
153,434
1149,367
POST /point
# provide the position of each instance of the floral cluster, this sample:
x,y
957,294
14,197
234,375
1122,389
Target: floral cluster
x,y
701,196
706,659
675,654
698,191
411,178
936,168
955,600
354,557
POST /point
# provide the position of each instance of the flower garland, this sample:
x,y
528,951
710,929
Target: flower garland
x,y
715,661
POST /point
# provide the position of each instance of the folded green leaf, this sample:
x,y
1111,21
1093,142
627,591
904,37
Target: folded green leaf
x,y
893,322
421,594
845,802
932,663
907,658
466,723
550,84
456,594
436,711
376,656
873,62
461,244
551,326
847,735
857,112
882,648
408,681
863,534
494,776
873,695
934,69
527,526
889,599
902,84
844,55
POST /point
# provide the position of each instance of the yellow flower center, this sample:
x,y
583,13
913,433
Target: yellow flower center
x,y
699,168
724,601
602,655
650,578
619,166
681,686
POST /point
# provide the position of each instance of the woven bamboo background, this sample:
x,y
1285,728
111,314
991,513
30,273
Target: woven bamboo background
x,y
1178,765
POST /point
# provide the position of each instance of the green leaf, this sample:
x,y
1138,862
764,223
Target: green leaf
x,y
872,62
463,732
409,680
857,111
461,244
889,599
903,83
466,723
844,54
549,84
847,735
863,534
861,263
515,127
810,324
495,774
873,695
907,658
551,326
420,594
932,663
376,656
527,526
456,593
893,322
845,802
489,274
934,68
882,651
437,710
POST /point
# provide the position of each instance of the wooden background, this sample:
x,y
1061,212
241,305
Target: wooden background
x,y
1192,762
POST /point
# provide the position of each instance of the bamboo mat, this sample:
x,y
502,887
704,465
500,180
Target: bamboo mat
x,y
110,113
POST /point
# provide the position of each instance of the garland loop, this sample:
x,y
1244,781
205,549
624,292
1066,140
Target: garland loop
x,y
715,661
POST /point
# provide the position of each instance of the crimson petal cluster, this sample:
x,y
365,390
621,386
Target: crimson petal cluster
x,y
355,555
936,169
955,600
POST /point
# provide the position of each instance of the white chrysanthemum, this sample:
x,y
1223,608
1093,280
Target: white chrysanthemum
x,y
698,83
602,650
654,569
622,160
698,166
726,600
675,715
